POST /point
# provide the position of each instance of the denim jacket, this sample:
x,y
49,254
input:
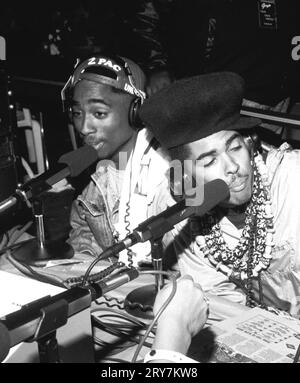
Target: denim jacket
x,y
93,227
281,281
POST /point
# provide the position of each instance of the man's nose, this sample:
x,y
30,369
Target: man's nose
x,y
86,126
231,166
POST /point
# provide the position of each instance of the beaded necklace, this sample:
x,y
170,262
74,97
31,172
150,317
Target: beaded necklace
x,y
253,252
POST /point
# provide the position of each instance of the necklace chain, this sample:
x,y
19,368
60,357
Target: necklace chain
x,y
253,251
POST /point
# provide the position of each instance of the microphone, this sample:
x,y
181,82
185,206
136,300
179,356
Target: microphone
x,y
140,301
155,227
98,289
21,325
69,164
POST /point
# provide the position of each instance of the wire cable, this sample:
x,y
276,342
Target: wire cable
x,y
111,302
17,233
121,329
130,253
29,271
95,261
11,247
161,310
126,329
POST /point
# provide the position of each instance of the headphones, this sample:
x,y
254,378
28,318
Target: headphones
x,y
123,66
133,118
133,115
252,141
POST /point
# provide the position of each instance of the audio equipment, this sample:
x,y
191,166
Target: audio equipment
x,y
8,125
70,164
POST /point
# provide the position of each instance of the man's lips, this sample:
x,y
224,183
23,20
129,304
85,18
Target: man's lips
x,y
238,185
94,144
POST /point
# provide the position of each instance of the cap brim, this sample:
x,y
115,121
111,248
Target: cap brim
x,y
99,79
245,123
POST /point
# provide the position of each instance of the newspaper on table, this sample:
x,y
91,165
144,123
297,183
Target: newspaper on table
x,y
257,336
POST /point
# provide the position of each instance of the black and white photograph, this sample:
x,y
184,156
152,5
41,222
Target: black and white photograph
x,y
150,185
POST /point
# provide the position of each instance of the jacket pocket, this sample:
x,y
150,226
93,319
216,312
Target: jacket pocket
x,y
96,218
95,210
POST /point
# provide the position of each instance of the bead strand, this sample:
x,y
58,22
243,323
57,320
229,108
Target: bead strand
x,y
259,214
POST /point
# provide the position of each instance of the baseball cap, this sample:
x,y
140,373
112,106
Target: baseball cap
x,y
118,72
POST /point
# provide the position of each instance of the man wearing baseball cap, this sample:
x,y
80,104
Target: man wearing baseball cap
x,y
103,96
247,249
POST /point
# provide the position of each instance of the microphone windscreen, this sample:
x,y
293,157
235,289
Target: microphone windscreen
x,y
79,160
215,191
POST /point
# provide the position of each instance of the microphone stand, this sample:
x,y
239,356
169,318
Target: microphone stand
x,y
39,251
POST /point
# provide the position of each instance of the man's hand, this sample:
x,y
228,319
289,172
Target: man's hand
x,y
183,318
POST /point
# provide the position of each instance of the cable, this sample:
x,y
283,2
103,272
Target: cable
x,y
12,237
127,225
29,271
126,328
109,302
116,314
6,248
17,233
96,277
121,329
127,209
163,307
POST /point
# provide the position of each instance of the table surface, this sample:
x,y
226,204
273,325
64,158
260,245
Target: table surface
x,y
110,309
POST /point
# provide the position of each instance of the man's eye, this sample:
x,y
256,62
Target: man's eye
x,y
236,148
100,114
209,163
75,114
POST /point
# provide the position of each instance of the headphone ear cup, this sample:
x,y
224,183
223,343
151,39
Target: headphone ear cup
x,y
253,142
133,117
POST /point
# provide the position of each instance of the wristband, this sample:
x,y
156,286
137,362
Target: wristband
x,y
172,356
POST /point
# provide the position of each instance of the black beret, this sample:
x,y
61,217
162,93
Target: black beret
x,y
196,107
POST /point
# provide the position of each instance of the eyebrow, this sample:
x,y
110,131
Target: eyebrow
x,y
214,151
92,101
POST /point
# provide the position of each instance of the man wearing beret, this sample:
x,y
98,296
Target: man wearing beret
x,y
247,249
